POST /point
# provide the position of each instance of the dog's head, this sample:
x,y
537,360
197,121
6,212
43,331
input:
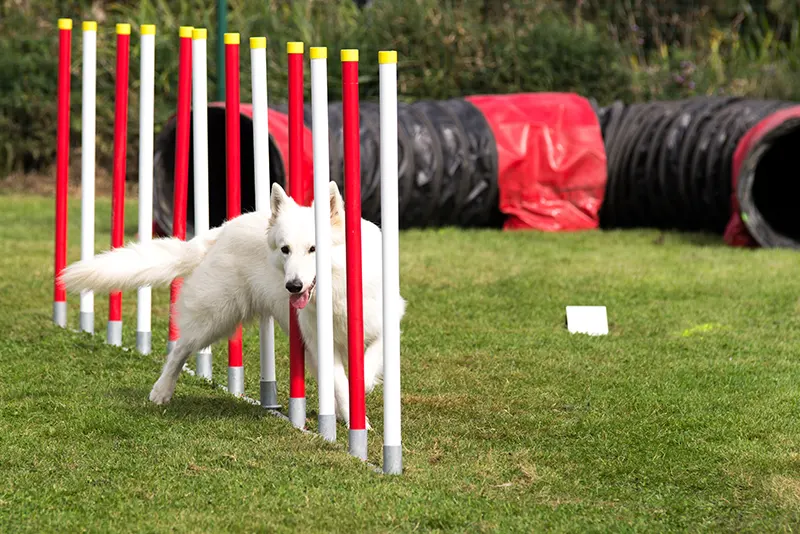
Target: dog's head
x,y
291,238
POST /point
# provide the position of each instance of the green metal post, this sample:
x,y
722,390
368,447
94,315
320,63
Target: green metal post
x,y
222,28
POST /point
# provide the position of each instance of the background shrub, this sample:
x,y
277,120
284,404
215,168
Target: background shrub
x,y
605,49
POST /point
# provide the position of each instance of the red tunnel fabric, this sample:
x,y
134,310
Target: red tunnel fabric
x,y
736,233
551,159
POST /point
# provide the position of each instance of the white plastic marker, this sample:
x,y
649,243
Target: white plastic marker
x,y
591,320
258,66
322,223
392,440
200,160
89,99
146,123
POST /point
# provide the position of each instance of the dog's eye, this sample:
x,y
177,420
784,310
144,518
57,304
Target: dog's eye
x,y
285,249
312,249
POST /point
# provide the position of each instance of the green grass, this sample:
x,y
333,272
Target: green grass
x,y
685,417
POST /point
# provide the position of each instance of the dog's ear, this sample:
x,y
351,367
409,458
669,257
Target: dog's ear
x,y
277,201
337,207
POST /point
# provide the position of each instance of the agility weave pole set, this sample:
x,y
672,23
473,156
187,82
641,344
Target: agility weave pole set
x,y
192,94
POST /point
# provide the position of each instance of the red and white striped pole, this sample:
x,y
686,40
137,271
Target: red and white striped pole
x,y
326,417
352,223
114,332
297,384
233,193
390,248
88,112
181,189
268,385
62,169
203,359
147,69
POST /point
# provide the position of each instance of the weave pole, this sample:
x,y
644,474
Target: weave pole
x,y
233,193
114,329
352,210
392,440
297,385
147,66
62,170
268,385
88,118
181,187
322,222
200,159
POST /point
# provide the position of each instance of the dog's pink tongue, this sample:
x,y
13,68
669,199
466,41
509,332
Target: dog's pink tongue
x,y
299,301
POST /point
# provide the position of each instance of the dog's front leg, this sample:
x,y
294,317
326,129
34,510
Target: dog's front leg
x,y
311,361
341,389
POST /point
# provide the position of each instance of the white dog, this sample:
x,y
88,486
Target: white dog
x,y
249,267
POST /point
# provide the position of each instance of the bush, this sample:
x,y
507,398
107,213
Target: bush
x,y
447,48
445,51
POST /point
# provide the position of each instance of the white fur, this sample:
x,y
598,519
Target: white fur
x,y
238,272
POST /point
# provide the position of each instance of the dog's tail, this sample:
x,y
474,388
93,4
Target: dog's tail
x,y
154,264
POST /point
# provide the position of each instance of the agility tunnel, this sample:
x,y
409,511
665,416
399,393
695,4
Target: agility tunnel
x,y
462,162
720,165
549,162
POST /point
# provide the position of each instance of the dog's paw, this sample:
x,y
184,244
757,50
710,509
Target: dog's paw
x,y
366,420
160,394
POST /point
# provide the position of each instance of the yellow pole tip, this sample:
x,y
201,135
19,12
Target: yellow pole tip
x,y
231,38
387,56
318,52
199,34
89,26
258,42
148,29
123,29
64,24
294,47
350,54
185,31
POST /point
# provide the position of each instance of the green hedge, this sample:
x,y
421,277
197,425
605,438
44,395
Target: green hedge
x,y
445,51
447,48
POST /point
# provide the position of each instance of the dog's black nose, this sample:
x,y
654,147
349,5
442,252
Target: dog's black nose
x,y
294,286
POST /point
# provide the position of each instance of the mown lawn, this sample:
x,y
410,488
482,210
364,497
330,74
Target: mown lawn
x,y
686,417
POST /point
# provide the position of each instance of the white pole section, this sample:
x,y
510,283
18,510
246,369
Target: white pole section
x,y
88,105
322,227
200,160
392,444
258,75
146,124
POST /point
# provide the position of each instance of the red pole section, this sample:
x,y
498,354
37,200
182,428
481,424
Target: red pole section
x,y
114,336
233,191
297,385
181,190
352,223
62,169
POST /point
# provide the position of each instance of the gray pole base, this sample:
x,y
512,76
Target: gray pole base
x,y
203,365
236,381
171,345
269,395
144,342
393,459
297,411
87,322
358,443
327,426
60,314
114,333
